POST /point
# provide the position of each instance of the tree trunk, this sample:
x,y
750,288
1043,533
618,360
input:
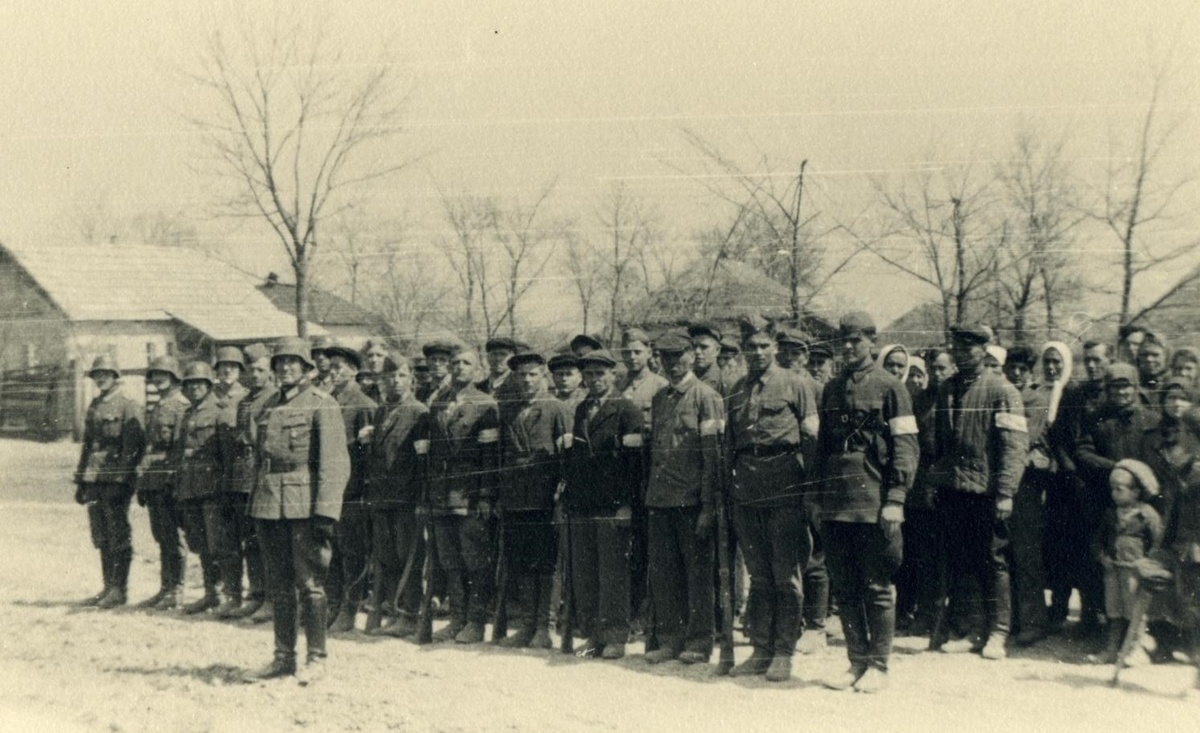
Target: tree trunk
x,y
960,264
795,292
300,268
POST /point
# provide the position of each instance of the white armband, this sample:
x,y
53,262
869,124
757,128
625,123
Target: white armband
x,y
632,440
810,425
489,435
903,425
1009,421
421,447
565,441
710,427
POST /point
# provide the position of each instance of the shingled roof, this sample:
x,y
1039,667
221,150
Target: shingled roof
x,y
324,307
145,283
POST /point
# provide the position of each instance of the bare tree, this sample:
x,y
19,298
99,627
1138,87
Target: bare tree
x,y
1136,200
583,269
524,240
293,126
472,220
626,227
937,232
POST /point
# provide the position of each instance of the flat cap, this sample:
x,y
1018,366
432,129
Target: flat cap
x,y
599,356
752,325
344,351
500,343
419,364
729,345
821,349
1122,372
635,335
973,333
528,356
439,346
672,342
563,361
697,330
256,351
585,342
857,323
791,335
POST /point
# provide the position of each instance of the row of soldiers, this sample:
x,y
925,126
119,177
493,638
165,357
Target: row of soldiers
x,y
621,498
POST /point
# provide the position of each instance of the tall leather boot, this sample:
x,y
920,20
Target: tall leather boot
x,y
787,622
345,618
284,661
106,574
119,563
527,593
758,626
231,582
172,580
544,585
210,599
316,624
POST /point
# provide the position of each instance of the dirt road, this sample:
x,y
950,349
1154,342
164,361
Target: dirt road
x,y
63,668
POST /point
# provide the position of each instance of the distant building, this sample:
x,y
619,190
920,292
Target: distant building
x,y
341,319
60,307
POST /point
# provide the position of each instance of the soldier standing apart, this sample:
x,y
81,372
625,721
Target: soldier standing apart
x,y
982,445
398,468
868,455
303,467
770,409
680,501
245,438
157,478
203,453
113,441
535,432
464,455
353,549
605,477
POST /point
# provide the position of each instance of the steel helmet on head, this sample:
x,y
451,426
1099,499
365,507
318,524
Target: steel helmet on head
x,y
166,365
105,363
198,371
293,346
230,355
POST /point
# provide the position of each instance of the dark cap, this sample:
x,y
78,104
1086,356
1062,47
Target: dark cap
x,y
696,330
1121,372
751,326
857,323
419,364
563,361
973,333
821,349
672,342
344,351
440,346
254,352
586,341
166,365
198,371
1177,385
599,356
525,357
500,343
729,345
293,346
635,335
791,336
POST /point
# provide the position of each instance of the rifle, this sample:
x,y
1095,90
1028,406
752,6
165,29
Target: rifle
x,y
425,614
568,624
725,662
405,577
500,626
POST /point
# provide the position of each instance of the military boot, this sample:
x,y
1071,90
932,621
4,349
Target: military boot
x,y
1112,646
210,599
344,623
152,601
105,573
248,608
229,607
170,599
119,565
756,664
472,633
264,614
780,669
280,666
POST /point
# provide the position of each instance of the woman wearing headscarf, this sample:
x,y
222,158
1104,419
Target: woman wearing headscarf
x,y
894,359
1059,542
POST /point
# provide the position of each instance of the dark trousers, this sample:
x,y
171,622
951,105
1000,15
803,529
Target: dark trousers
x,y
396,534
917,580
195,532
465,550
353,553
975,556
600,563
775,543
862,560
296,560
112,535
681,573
530,543
166,526
1027,555
223,523
815,579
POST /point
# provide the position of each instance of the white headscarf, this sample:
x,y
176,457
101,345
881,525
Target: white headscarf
x,y
883,355
1056,389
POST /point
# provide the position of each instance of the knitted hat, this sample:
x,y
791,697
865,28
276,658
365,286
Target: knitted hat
x,y
1141,473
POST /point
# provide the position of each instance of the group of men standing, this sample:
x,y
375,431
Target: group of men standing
x,y
560,490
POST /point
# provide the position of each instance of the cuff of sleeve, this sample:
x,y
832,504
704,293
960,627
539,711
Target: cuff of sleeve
x,y
895,496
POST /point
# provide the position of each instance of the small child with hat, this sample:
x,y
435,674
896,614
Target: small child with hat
x,y
1132,531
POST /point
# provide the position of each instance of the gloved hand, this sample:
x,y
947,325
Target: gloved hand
x,y
81,497
891,516
1004,509
323,528
705,522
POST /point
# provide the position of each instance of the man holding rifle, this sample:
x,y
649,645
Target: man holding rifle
x,y
771,410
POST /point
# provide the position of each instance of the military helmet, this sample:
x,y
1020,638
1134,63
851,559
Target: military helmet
x,y
199,371
230,355
165,364
105,363
319,344
293,346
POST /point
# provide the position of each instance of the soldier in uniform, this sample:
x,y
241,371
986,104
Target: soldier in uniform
x,y
398,467
688,417
535,431
567,379
771,411
868,456
105,479
639,387
303,468
156,480
605,477
203,454
249,408
982,445
437,361
464,454
229,367
353,549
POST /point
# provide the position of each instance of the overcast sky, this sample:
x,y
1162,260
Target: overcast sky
x,y
511,94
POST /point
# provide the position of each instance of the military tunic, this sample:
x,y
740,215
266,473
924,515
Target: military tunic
x,y
156,485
